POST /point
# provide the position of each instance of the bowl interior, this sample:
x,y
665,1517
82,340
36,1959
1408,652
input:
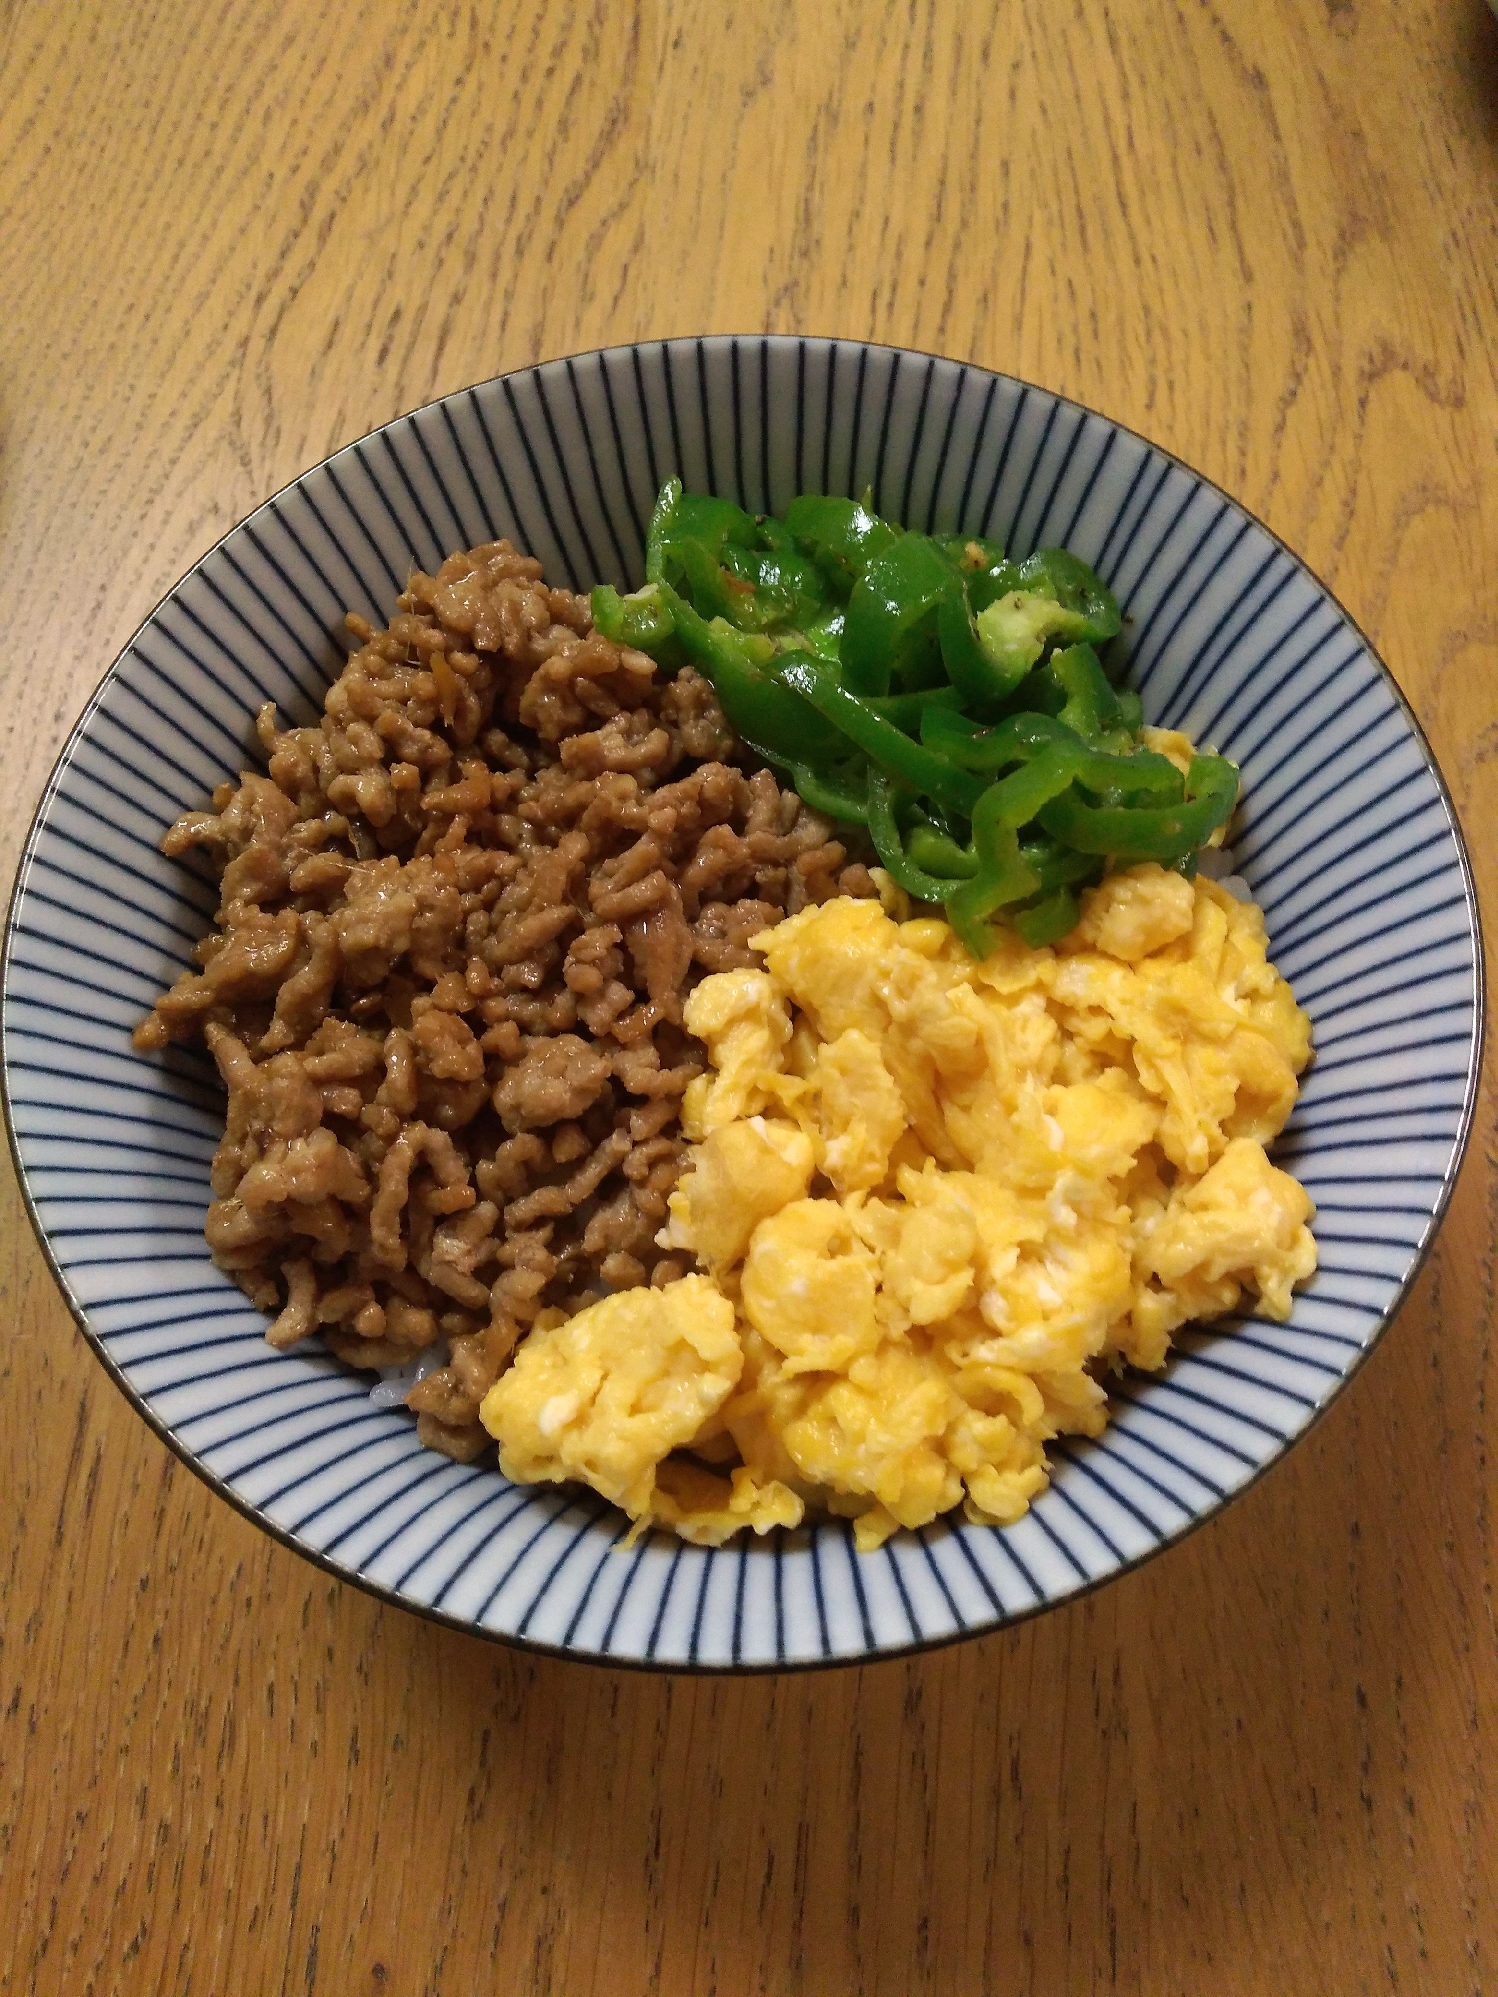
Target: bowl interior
x,y
1346,836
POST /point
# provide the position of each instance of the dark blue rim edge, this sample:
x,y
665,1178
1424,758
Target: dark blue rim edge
x,y
885,1653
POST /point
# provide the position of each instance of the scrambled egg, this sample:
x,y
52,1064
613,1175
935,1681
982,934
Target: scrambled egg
x,y
935,1202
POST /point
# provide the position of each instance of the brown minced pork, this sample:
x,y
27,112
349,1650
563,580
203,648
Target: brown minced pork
x,y
458,921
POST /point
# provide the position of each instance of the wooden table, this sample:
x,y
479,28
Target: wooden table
x,y
1265,232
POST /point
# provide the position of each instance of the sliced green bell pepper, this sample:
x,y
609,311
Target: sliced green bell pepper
x,y
881,741
884,829
1057,866
891,622
1046,919
907,710
1015,629
711,590
1003,874
768,714
1144,832
842,536
1019,610
716,524
821,635
973,669
1139,777
787,588
833,639
659,531
641,620
836,793
774,535
938,853
1078,589
1091,707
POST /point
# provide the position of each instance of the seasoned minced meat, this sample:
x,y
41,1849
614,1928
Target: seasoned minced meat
x,y
458,920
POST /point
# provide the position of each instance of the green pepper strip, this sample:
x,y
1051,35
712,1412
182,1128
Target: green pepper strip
x,y
1048,919
1053,867
835,793
971,670
751,590
891,613
823,635
712,522
712,593
1003,875
762,709
1162,832
938,854
641,620
842,535
1067,580
1091,707
1130,709
1056,867
884,830
987,585
879,739
987,750
659,530
787,588
1142,776
907,710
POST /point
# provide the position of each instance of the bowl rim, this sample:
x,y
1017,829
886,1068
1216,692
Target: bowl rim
x,y
884,1654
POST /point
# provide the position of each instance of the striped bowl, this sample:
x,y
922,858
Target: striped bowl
x,y
1347,837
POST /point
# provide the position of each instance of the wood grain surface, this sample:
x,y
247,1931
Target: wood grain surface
x,y
1265,232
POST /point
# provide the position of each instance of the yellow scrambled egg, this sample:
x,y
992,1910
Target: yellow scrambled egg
x,y
934,1202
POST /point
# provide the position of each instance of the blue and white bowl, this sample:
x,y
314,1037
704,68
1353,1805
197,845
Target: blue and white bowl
x,y
1347,838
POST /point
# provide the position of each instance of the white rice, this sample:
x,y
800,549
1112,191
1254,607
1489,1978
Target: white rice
x,y
395,1382
1217,864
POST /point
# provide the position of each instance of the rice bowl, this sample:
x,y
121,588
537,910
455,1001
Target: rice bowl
x,y
1347,841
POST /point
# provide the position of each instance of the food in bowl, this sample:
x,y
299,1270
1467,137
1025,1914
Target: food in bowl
x,y
952,702
936,1199
478,928
459,917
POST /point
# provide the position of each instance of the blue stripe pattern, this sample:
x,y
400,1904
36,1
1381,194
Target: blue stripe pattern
x,y
1347,838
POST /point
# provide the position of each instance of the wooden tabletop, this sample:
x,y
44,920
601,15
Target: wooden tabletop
x,y
1265,233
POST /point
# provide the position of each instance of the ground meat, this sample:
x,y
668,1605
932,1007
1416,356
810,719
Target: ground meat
x,y
458,921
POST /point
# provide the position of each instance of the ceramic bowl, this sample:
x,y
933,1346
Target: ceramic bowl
x,y
1347,837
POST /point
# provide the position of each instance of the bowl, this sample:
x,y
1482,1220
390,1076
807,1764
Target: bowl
x,y
1347,837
